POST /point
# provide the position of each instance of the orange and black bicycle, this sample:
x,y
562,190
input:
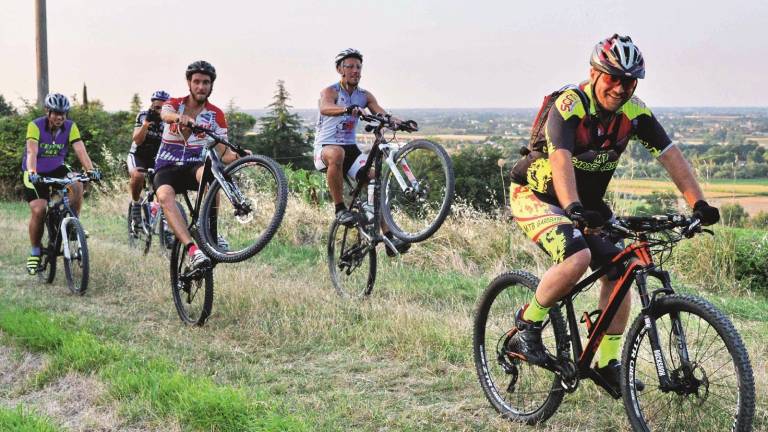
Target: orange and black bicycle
x,y
691,361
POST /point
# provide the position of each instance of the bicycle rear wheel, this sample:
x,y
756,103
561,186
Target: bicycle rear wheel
x,y
351,261
517,390
133,235
415,212
76,257
192,291
49,253
235,232
713,390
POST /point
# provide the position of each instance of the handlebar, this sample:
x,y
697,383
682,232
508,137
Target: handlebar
x,y
65,181
217,139
385,121
633,226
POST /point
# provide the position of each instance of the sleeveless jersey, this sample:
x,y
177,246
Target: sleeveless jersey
x,y
52,146
340,130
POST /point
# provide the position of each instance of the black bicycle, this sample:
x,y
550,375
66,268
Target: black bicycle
x,y
153,221
691,361
418,185
237,211
63,235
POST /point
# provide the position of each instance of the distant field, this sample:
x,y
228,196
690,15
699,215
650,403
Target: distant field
x,y
752,194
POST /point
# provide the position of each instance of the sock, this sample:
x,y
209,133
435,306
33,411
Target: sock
x,y
608,349
35,251
340,207
191,248
535,312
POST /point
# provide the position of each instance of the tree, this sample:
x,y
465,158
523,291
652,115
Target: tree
x,y
6,109
478,181
238,125
135,104
281,134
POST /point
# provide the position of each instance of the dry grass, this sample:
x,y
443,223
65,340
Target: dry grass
x,y
399,361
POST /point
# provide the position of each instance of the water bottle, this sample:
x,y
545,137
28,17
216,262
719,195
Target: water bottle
x,y
368,206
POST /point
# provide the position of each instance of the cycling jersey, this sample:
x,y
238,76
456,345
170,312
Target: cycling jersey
x,y
595,147
340,130
52,146
174,149
148,149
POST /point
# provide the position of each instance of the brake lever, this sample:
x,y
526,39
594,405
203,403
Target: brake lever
x,y
708,231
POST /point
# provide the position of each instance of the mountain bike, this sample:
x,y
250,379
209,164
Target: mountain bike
x,y
418,186
63,235
237,211
691,361
153,221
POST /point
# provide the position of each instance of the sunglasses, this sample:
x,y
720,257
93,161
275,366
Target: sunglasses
x,y
626,82
352,66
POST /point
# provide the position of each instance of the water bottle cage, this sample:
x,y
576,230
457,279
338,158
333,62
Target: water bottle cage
x,y
586,318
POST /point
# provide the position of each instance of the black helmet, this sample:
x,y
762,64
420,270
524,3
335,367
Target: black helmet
x,y
347,53
57,102
201,66
618,56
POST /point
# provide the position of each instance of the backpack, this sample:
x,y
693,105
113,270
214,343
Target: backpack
x,y
535,148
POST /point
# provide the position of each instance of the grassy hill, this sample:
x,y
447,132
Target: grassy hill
x,y
281,351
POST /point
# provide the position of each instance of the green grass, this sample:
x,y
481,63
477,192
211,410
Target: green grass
x,y
20,419
154,383
281,339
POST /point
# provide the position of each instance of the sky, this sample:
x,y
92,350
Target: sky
x,y
417,54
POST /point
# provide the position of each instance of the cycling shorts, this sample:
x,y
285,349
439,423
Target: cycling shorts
x,y
41,191
137,160
354,159
549,227
180,177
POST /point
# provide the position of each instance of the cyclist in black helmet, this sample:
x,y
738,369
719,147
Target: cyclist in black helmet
x,y
560,203
179,162
335,137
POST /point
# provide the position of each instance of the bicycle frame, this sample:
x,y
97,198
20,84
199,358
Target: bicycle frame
x,y
55,216
639,265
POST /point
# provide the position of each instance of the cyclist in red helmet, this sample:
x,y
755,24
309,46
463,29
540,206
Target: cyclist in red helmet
x,y
559,204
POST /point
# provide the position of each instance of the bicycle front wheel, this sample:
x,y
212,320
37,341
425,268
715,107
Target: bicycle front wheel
x,y
192,291
711,383
233,231
351,261
76,257
518,390
417,207
51,242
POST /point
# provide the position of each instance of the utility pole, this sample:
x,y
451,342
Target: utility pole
x,y
42,51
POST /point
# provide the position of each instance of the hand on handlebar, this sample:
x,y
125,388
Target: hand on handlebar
x,y
704,212
583,219
355,110
186,121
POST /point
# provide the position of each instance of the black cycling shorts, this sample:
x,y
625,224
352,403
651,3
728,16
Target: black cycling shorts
x,y
181,178
137,160
41,191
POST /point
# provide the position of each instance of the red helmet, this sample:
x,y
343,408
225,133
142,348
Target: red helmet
x,y
618,56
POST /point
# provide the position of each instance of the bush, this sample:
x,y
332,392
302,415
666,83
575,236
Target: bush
x,y
733,215
752,262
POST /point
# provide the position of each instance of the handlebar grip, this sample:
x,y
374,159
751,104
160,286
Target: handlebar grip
x,y
369,128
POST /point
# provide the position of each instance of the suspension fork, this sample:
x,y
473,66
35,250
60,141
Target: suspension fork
x,y
650,327
233,194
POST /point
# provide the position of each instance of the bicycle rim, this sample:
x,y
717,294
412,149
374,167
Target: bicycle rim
x,y
146,232
194,298
714,390
232,233
132,234
517,390
351,261
415,212
76,266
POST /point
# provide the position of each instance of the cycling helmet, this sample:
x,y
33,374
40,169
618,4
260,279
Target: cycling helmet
x,y
201,66
347,53
160,95
57,102
618,56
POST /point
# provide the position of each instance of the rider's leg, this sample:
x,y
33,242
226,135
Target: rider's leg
x,y
136,184
37,209
76,196
166,196
610,346
333,158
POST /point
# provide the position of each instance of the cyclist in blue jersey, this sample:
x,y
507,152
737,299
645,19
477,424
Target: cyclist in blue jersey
x,y
47,145
336,147
558,201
